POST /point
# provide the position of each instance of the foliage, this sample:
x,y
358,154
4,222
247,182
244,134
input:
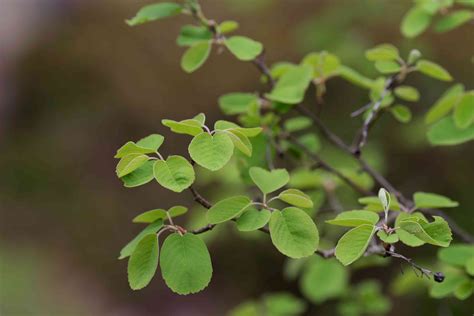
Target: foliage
x,y
284,202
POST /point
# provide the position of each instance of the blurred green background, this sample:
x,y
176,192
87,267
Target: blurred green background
x,y
76,83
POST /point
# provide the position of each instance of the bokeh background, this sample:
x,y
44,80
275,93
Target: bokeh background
x,y
76,83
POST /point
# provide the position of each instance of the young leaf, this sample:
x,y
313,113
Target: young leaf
x,y
436,233
227,209
382,52
195,56
228,27
323,279
389,239
146,145
189,127
151,142
384,198
464,111
269,181
433,70
201,118
373,203
354,218
445,103
241,142
445,133
243,47
431,200
453,20
296,197
130,163
211,151
355,78
229,126
401,113
404,236
139,176
175,173
353,244
292,85
143,262
237,103
154,12
185,263
407,93
324,64
253,219
415,22
153,228
387,67
458,255
293,233
192,34
153,215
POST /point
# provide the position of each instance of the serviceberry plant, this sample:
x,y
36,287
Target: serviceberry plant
x,y
275,127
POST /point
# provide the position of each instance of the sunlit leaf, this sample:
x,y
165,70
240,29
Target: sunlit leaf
x,y
211,151
353,244
175,173
243,47
269,181
227,209
195,56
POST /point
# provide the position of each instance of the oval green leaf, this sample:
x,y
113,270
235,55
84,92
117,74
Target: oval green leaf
x,y
253,219
175,173
296,197
211,151
353,244
227,209
243,47
355,218
195,56
143,262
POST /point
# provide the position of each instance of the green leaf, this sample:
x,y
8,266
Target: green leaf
x,y
153,228
457,255
404,236
211,151
354,218
435,233
401,113
175,173
355,78
382,52
389,239
413,56
146,145
453,20
323,279
445,132
201,118
195,56
241,142
433,70
192,34
189,127
311,142
292,85
464,290
228,27
450,284
297,123
296,197
153,215
464,111
253,219
407,93
229,126
470,266
143,262
387,67
415,22
431,200
243,47
384,197
154,12
139,176
445,103
283,304
269,181
130,163
324,64
237,103
353,244
227,209
185,263
373,203
293,233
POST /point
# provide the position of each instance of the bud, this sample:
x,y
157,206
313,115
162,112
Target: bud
x,y
438,277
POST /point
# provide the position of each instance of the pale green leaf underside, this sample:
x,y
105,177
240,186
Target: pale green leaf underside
x,y
153,215
154,12
185,263
296,198
143,262
189,127
130,163
353,244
